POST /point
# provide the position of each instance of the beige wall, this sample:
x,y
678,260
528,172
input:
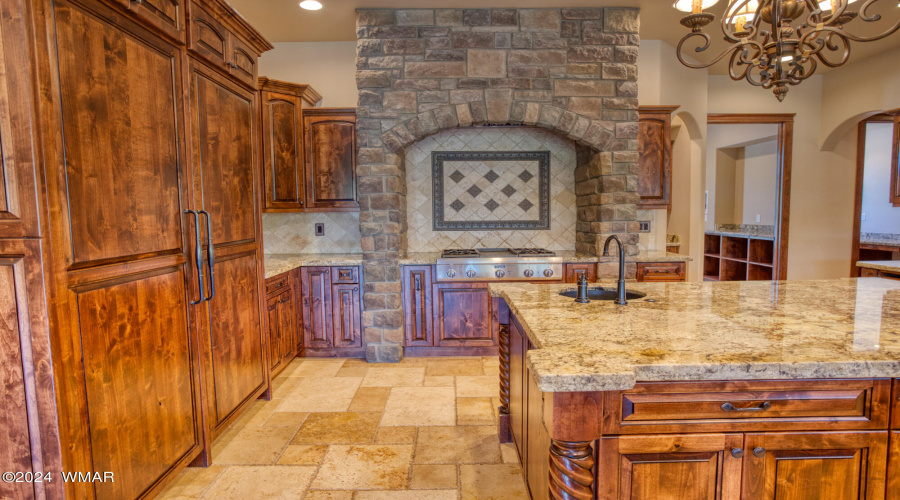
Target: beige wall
x,y
881,215
758,170
330,67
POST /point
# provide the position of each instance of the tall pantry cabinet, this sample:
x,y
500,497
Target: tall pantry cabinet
x,y
131,238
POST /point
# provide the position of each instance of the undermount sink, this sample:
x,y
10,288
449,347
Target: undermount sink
x,y
598,293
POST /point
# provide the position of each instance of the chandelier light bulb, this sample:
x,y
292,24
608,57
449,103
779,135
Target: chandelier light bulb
x,y
310,5
691,5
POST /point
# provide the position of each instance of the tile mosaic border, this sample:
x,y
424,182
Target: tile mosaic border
x,y
437,168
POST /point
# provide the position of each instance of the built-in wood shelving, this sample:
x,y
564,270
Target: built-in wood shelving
x,y
738,258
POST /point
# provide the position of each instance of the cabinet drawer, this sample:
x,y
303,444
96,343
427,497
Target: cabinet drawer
x,y
167,15
660,271
866,272
345,275
787,405
278,284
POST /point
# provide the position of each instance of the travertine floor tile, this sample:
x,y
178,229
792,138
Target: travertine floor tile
x,y
328,495
255,415
472,387
303,454
312,367
370,399
191,483
433,477
413,362
365,467
353,371
474,411
458,445
253,445
508,452
438,381
456,366
282,386
395,435
274,482
407,495
338,427
321,394
420,406
381,376
286,419
492,482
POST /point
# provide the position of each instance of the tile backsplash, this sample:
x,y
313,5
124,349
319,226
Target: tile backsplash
x,y
420,188
285,233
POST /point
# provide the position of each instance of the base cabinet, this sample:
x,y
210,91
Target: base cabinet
x,y
462,315
282,323
331,309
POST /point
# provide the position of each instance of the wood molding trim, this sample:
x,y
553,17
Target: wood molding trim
x,y
785,122
571,470
305,92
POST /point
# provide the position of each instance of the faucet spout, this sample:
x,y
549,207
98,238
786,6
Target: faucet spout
x,y
620,284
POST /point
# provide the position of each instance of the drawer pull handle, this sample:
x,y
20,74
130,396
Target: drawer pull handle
x,y
763,407
758,452
737,452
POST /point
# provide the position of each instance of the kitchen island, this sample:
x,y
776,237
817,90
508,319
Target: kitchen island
x,y
705,390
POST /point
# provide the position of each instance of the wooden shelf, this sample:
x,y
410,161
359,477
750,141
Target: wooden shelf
x,y
736,258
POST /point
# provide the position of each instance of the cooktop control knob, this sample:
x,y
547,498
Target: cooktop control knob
x,y
528,273
451,273
470,273
548,272
500,273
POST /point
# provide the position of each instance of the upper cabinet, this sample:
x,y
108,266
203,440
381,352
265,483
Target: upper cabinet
x,y
165,15
282,131
330,151
895,162
655,161
226,47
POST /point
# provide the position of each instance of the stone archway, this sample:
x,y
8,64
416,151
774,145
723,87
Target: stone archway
x,y
421,71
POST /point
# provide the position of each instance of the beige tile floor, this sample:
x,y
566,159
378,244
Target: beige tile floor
x,y
342,429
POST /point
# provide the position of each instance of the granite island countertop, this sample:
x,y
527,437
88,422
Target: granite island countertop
x,y
427,258
847,328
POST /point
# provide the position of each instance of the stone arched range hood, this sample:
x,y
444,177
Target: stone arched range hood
x,y
421,71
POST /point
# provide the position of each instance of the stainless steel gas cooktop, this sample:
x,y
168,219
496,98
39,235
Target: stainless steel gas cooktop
x,y
499,264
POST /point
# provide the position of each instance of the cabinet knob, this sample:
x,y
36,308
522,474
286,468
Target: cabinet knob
x,y
759,451
737,452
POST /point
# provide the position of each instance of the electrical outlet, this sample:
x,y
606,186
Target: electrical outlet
x,y
320,229
644,226
864,216
757,218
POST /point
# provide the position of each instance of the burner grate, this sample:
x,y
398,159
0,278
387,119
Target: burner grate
x,y
459,252
532,252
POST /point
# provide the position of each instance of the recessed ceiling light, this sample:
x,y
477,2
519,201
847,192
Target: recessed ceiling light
x,y
310,5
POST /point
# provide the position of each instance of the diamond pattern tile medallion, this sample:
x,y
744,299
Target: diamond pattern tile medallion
x,y
491,176
526,205
474,191
526,176
508,190
457,205
491,205
456,176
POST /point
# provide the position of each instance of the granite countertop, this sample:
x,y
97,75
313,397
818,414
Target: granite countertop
x,y
882,265
276,264
426,258
743,234
710,331
880,239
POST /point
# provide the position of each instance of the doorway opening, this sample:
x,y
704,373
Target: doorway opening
x,y
747,196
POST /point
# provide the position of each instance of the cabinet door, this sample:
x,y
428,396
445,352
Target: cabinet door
x,y
223,153
315,286
895,161
346,315
166,15
820,465
124,273
209,38
280,325
330,155
28,423
282,167
517,387
893,475
417,314
462,314
670,467
241,60
655,160
18,203
574,270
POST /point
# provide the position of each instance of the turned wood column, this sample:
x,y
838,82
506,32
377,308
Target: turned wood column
x,y
571,470
503,421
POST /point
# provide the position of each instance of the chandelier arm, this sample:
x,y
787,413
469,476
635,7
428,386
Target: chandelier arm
x,y
737,61
856,38
833,48
863,12
679,50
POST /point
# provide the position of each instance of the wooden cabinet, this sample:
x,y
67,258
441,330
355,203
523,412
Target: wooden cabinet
x,y
330,158
222,40
738,258
655,160
573,270
417,312
685,466
332,312
895,161
284,186
660,271
165,15
462,315
821,465
893,476
518,346
281,323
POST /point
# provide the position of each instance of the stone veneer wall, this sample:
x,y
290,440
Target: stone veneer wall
x,y
420,71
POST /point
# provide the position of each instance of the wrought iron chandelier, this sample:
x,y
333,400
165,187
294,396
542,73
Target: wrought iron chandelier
x,y
776,43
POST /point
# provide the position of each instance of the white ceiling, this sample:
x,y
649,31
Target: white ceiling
x,y
285,21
